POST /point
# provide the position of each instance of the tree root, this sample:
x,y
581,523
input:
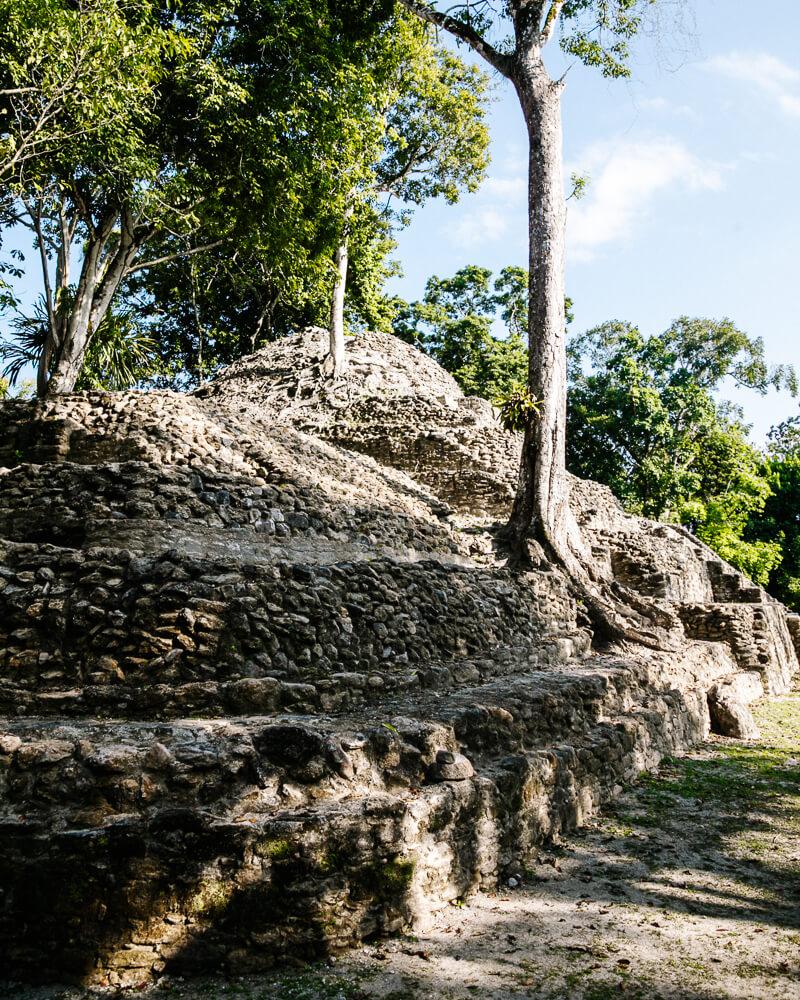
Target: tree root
x,y
655,628
607,605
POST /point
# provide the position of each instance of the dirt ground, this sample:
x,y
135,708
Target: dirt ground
x,y
687,888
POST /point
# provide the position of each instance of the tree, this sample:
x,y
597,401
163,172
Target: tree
x,y
426,138
642,419
453,323
404,123
206,310
191,157
642,413
596,32
59,77
779,521
120,355
784,440
79,83
733,489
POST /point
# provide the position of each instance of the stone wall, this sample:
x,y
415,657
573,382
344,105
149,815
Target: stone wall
x,y
266,689
103,630
187,459
458,449
222,845
758,635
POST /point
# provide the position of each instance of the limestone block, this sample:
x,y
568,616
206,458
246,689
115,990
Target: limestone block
x,y
449,766
728,702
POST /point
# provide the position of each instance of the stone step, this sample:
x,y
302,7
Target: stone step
x,y
46,695
149,507
134,765
104,625
128,850
758,636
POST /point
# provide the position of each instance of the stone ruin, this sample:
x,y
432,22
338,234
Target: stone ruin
x,y
266,688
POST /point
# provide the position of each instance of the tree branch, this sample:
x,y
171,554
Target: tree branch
x,y
114,270
501,62
551,22
36,217
174,256
389,184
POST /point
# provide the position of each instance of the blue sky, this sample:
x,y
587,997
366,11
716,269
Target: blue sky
x,y
693,207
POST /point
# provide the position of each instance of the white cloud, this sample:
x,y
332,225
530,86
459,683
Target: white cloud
x,y
625,179
789,104
487,225
766,73
507,189
504,199
661,106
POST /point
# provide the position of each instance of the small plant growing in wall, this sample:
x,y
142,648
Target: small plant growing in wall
x,y
518,407
383,879
274,848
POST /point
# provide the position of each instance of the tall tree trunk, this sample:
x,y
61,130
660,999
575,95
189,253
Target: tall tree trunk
x,y
542,502
101,276
341,259
541,526
71,351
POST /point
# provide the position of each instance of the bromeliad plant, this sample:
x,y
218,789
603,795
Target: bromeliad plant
x,y
519,408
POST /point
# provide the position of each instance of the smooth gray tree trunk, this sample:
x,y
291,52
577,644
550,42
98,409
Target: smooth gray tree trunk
x,y
541,505
341,261
98,284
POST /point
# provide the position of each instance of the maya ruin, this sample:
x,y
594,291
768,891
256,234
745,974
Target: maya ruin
x,y
267,687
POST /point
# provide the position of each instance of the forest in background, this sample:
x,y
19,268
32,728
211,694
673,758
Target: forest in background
x,y
198,179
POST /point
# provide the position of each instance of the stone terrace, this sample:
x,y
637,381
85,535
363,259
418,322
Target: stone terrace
x,y
266,690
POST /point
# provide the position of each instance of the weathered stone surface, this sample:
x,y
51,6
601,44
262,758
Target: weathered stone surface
x,y
449,766
266,689
728,702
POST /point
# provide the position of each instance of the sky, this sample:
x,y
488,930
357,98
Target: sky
x,y
693,206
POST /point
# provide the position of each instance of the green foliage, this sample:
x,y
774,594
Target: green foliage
x,y
518,407
76,81
784,440
453,323
455,320
598,31
386,114
733,490
710,350
371,243
433,106
779,521
121,355
642,420
235,139
580,185
511,297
